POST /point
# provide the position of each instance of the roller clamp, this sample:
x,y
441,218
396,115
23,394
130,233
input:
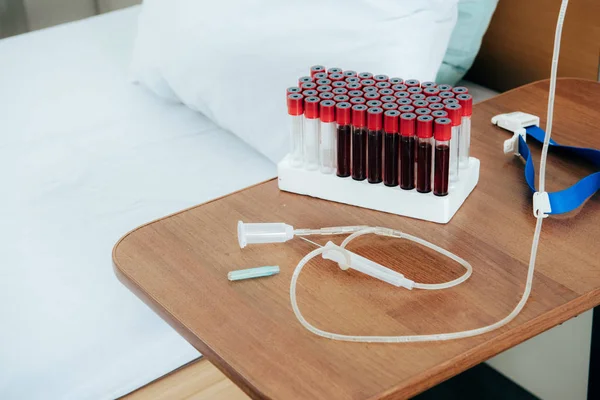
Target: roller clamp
x,y
541,204
515,122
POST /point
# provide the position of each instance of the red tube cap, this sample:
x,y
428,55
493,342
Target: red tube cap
x,y
450,100
295,104
420,104
342,98
349,73
310,93
423,111
383,84
368,89
407,123
424,126
433,99
365,75
414,90
406,109
338,84
401,95
386,92
324,88
354,86
460,90
327,110
367,82
404,102
343,113
388,99
431,91
321,82
442,129
293,89
374,103
339,90
390,121
417,96
396,81
336,77
436,106
381,78
375,118
389,106
326,96
320,75
355,93
357,100
334,70
446,95
372,96
428,84
304,79
308,86
311,107
444,87
352,79
466,102
399,87
315,69
359,115
412,83
439,114
454,113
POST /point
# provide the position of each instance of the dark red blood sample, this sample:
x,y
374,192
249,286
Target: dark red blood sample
x,y
442,164
359,154
390,167
407,162
424,155
374,156
344,138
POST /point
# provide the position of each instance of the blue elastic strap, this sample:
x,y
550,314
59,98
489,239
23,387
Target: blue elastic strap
x,y
571,198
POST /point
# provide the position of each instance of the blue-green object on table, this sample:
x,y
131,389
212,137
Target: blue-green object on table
x,y
249,273
473,19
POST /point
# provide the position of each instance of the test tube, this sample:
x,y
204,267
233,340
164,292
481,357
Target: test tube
x,y
359,142
405,109
386,92
428,84
374,103
327,134
295,106
326,96
442,133
357,100
369,89
389,106
407,150
311,133
390,147
308,86
324,88
424,129
349,73
466,102
412,83
420,104
342,98
371,96
339,90
355,93
375,145
446,95
387,99
315,69
381,78
455,114
344,138
320,75
310,93
338,84
450,100
396,81
354,86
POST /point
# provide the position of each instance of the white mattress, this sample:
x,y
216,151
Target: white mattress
x,y
85,157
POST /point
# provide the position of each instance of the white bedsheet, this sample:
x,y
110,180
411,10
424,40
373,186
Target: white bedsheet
x,y
85,157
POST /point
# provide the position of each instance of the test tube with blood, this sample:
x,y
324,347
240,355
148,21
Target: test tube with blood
x,y
383,85
311,133
365,75
399,87
339,90
375,145
424,127
444,87
442,133
308,86
390,147
450,100
359,142
431,91
343,115
310,93
459,90
336,77
417,96
381,78
323,81
446,95
414,90
327,136
407,150
369,89
293,89
357,100
352,79
371,96
401,95
295,106
466,102
455,114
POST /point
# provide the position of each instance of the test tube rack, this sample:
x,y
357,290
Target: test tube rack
x,y
409,203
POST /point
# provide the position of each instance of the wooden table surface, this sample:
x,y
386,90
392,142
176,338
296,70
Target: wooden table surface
x,y
178,265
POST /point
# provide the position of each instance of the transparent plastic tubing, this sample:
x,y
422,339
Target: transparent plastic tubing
x,y
532,258
327,137
311,133
295,105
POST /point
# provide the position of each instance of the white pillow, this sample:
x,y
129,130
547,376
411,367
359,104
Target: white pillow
x,y
233,59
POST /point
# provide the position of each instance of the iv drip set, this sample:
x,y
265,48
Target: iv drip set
x,y
394,145
519,123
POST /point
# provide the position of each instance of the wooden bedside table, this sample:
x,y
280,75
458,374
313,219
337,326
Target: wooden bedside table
x,y
178,265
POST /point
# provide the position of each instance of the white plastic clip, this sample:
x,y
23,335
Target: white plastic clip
x,y
515,122
541,204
